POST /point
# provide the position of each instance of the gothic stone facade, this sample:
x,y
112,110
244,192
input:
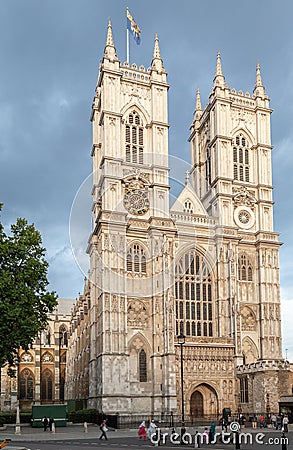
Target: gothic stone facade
x,y
207,267
40,376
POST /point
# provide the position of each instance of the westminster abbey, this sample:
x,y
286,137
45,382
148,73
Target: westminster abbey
x,y
206,267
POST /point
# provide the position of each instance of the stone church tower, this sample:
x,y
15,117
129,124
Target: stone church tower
x,y
207,267
132,363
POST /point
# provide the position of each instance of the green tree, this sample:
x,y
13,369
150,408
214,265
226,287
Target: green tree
x,y
24,300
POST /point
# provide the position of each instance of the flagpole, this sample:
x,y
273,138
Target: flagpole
x,y
127,45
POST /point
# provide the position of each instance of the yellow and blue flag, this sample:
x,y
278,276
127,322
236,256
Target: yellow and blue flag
x,y
133,27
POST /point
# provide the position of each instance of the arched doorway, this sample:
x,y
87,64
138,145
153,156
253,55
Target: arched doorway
x,y
204,403
196,404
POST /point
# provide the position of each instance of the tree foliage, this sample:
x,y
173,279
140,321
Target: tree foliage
x,y
24,299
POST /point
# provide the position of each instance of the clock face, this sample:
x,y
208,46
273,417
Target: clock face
x,y
136,202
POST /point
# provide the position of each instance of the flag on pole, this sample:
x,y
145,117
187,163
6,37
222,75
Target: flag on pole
x,y
133,27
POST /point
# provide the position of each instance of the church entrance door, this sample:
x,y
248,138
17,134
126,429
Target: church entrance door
x,y
196,405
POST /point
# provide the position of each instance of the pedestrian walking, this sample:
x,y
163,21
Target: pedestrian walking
x,y
196,440
45,423
51,421
254,421
237,440
104,429
285,424
206,435
151,429
274,420
279,422
212,431
284,441
261,421
142,431
224,424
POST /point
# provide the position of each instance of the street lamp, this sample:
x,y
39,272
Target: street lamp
x,y
181,342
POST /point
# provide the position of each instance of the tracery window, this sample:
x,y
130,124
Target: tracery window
x,y
241,158
48,337
136,259
26,385
188,206
142,366
47,385
244,268
244,398
208,168
193,294
63,337
134,138
62,384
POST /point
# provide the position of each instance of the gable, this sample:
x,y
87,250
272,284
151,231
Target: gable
x,y
188,202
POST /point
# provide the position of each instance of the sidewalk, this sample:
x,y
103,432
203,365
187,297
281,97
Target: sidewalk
x,y
29,434
76,432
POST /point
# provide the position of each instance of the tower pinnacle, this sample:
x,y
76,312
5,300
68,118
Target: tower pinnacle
x,y
259,88
219,64
198,107
219,79
157,62
157,53
110,50
198,102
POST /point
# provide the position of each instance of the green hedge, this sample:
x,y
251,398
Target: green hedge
x,y
83,415
11,418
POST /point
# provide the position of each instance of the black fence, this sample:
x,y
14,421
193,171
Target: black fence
x,y
163,420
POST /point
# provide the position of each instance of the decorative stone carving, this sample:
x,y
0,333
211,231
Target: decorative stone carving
x,y
242,196
114,303
248,319
26,358
47,358
107,302
137,344
137,314
249,351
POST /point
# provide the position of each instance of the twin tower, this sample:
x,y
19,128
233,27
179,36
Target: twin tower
x,y
206,267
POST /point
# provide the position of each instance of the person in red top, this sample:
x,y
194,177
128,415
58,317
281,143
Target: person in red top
x,y
142,431
261,421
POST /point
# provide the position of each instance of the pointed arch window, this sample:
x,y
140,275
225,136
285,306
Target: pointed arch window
x,y
26,385
188,206
245,271
241,159
244,397
134,138
208,168
63,337
193,294
47,385
142,366
48,337
62,384
136,260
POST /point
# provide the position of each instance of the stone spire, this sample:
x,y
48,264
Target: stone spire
x,y
219,64
219,79
110,50
157,62
198,107
259,88
198,102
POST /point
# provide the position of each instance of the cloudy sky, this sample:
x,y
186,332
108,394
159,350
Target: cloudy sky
x,y
50,52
